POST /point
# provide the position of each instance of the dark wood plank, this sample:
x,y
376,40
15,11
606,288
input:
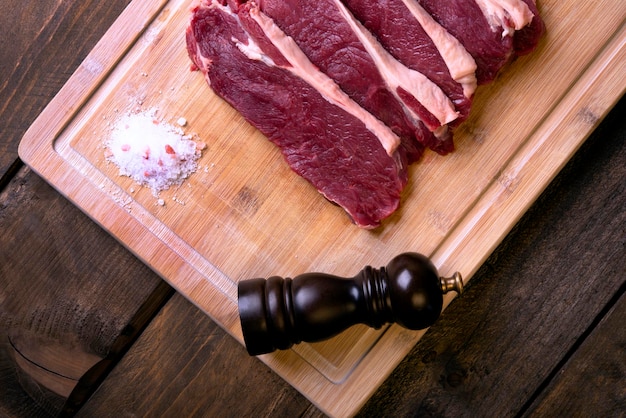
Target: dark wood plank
x,y
67,291
91,379
531,301
55,264
185,365
42,43
580,386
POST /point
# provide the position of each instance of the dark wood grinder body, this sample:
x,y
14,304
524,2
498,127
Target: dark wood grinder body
x,y
278,312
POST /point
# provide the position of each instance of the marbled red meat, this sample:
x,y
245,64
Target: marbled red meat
x,y
465,21
407,40
322,143
329,42
353,91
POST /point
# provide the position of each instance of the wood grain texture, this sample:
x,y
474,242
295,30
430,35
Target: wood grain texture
x,y
92,378
591,382
530,302
54,322
16,391
540,110
186,365
41,44
511,338
67,291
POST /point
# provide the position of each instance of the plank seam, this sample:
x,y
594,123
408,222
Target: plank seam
x,y
527,407
97,374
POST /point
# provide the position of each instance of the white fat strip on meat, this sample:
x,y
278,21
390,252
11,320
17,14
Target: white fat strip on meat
x,y
397,75
460,63
303,68
510,15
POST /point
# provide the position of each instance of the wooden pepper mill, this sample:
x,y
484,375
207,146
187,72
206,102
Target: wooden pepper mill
x,y
279,312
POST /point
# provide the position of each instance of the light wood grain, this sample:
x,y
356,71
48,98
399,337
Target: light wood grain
x,y
491,354
245,214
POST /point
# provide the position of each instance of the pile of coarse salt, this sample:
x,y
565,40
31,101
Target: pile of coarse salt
x,y
152,152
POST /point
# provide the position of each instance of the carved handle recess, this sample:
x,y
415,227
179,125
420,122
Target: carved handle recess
x,y
279,312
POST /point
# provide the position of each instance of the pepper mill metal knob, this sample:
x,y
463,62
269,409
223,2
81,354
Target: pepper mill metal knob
x,y
279,312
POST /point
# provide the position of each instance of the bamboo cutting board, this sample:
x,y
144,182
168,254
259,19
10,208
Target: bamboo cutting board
x,y
244,214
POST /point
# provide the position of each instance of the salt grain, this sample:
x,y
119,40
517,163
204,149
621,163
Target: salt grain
x,y
153,153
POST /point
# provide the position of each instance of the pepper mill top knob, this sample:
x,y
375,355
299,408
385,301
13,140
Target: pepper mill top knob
x,y
416,290
279,312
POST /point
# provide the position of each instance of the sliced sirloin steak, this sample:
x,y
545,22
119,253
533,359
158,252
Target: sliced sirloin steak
x,y
330,84
327,38
323,143
492,46
412,39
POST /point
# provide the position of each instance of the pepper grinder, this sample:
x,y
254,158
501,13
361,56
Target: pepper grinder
x,y
278,312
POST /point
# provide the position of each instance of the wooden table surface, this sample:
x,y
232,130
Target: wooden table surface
x,y
87,329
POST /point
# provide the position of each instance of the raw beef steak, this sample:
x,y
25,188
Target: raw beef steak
x,y
323,143
353,91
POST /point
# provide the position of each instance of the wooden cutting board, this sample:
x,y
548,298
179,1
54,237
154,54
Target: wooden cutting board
x,y
244,214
